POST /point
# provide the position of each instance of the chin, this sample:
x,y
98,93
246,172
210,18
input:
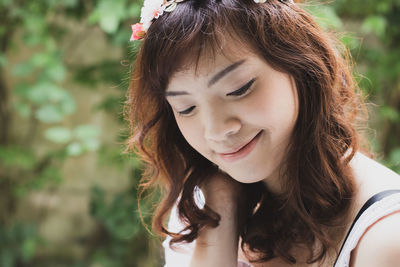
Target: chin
x,y
248,178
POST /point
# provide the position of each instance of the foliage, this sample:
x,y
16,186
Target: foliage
x,y
374,44
380,57
116,218
39,105
18,244
36,103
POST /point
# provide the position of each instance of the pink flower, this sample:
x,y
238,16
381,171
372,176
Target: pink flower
x,y
158,12
137,31
151,9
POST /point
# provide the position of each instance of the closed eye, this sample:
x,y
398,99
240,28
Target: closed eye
x,y
186,111
242,90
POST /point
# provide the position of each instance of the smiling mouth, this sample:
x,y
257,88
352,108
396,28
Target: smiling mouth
x,y
241,152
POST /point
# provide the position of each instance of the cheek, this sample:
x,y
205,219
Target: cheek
x,y
277,108
261,110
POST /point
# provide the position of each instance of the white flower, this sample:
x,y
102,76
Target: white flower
x,y
151,9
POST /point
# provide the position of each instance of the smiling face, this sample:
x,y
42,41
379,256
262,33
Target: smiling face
x,y
239,113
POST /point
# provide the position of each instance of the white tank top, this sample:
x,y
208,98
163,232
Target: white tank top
x,y
377,207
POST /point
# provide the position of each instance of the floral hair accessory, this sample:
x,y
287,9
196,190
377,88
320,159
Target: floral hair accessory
x,y
152,9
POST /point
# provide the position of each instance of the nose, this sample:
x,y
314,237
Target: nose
x,y
219,123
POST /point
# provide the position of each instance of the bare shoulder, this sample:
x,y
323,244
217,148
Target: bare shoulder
x,y
372,177
380,245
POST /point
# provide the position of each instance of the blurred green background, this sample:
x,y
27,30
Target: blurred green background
x,y
68,195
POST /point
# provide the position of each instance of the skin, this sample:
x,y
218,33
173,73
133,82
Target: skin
x,y
221,123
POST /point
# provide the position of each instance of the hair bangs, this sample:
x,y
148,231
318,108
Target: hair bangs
x,y
178,41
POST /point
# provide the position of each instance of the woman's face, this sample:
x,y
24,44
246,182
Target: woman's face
x,y
237,113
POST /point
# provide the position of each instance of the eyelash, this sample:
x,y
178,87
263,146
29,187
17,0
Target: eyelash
x,y
241,91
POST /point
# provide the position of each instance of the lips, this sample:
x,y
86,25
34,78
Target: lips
x,y
241,151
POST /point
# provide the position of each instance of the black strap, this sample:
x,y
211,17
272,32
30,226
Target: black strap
x,y
367,204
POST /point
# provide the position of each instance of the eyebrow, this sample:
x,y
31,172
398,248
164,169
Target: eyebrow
x,y
213,80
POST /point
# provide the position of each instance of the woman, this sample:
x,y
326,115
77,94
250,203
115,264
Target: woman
x,y
254,104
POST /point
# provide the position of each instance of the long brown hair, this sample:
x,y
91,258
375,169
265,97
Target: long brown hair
x,y
319,184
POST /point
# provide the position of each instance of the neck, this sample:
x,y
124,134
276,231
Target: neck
x,y
274,181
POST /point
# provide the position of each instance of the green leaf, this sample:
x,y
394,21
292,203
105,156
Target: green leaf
x,y
13,156
23,69
383,6
3,60
109,23
7,258
69,3
375,24
48,175
390,113
28,249
394,160
50,62
91,144
94,17
34,23
41,59
109,14
86,132
45,92
22,89
74,149
67,103
134,9
32,39
6,2
3,30
53,99
17,11
395,155
50,44
23,109
120,38
61,135
49,114
56,72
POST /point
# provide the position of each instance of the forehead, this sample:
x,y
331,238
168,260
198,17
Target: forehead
x,y
210,66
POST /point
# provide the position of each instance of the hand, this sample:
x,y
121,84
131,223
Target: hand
x,y
218,246
223,194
